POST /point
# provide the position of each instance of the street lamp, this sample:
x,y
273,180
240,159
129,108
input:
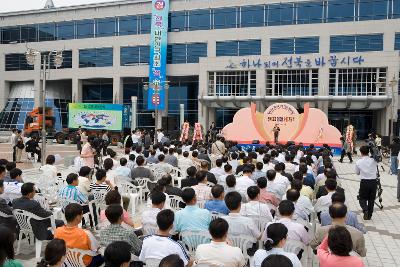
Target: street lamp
x,y
156,88
31,56
392,84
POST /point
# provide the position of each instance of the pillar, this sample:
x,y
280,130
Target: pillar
x,y
134,113
4,93
261,88
181,114
117,90
37,82
323,88
211,117
76,90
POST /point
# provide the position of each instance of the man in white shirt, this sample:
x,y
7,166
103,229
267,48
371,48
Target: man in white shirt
x,y
136,136
160,135
366,168
13,142
218,252
254,208
228,171
296,231
244,182
304,203
149,215
289,166
161,245
218,170
275,186
185,161
203,191
258,173
165,167
234,162
84,180
122,169
324,202
300,214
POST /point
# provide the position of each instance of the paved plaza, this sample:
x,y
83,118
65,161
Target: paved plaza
x,y
382,238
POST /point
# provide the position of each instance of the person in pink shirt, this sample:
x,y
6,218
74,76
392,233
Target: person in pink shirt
x,y
265,196
87,153
335,249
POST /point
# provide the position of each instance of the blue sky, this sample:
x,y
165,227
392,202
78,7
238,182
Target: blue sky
x,y
18,5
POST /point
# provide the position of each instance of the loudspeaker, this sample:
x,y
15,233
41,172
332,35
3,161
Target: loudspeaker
x,y
255,142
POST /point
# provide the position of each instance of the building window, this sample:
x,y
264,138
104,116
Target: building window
x,y
373,9
397,41
199,19
65,30
356,43
395,9
310,12
224,18
280,14
145,24
357,81
301,45
10,35
128,25
292,82
97,91
186,53
85,29
232,83
135,55
340,10
47,32
29,33
239,48
252,16
105,27
17,62
177,21
67,59
97,57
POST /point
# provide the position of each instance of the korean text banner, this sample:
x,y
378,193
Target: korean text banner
x,y
158,54
95,116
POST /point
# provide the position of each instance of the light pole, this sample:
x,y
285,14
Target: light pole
x,y
31,56
392,84
156,101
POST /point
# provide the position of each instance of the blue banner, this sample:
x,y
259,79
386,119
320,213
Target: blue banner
x,y
158,55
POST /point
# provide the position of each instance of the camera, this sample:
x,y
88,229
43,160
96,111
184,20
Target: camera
x,y
374,150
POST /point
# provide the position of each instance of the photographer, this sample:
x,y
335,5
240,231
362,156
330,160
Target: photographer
x,y
366,167
106,141
88,153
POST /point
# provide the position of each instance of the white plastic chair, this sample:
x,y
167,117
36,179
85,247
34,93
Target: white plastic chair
x,y
157,171
74,257
243,242
294,246
24,222
144,183
3,215
134,193
152,262
260,221
175,201
149,229
193,239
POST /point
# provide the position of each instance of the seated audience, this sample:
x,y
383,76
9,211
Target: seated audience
x,y
27,203
218,170
338,213
277,260
109,167
300,213
231,187
325,201
190,180
170,189
322,189
265,196
84,180
117,254
162,241
9,166
210,176
170,158
258,173
191,218
244,182
123,169
335,249
9,222
101,183
202,190
218,252
54,254
222,178
162,165
254,208
115,232
114,197
149,215
275,242
275,186
184,161
71,193
7,254
49,170
172,260
78,238
217,203
303,202
140,171
305,189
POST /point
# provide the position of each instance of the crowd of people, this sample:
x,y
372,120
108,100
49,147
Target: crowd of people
x,y
270,195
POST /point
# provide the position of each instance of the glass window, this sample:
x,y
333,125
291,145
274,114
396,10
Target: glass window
x,y
369,42
373,9
195,51
29,33
224,18
340,10
227,83
134,55
249,47
282,46
85,29
199,19
227,48
397,42
176,53
251,16
343,44
105,27
128,25
145,24
306,45
10,35
67,60
310,12
280,14
292,82
16,62
396,9
65,30
97,91
47,32
177,21
97,57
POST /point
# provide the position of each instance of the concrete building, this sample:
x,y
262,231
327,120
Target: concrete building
x,y
340,55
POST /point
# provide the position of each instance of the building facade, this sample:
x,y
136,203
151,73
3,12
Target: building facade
x,y
341,56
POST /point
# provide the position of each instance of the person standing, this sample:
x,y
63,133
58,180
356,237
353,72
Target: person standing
x,y
276,131
394,151
13,143
84,137
78,139
19,146
106,141
346,150
87,153
366,168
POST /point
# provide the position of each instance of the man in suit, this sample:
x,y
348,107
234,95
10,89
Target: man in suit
x,y
9,222
27,203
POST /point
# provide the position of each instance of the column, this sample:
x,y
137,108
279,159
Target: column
x,y
211,117
37,82
76,90
211,48
134,113
181,114
323,85
117,90
261,88
4,93
75,59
